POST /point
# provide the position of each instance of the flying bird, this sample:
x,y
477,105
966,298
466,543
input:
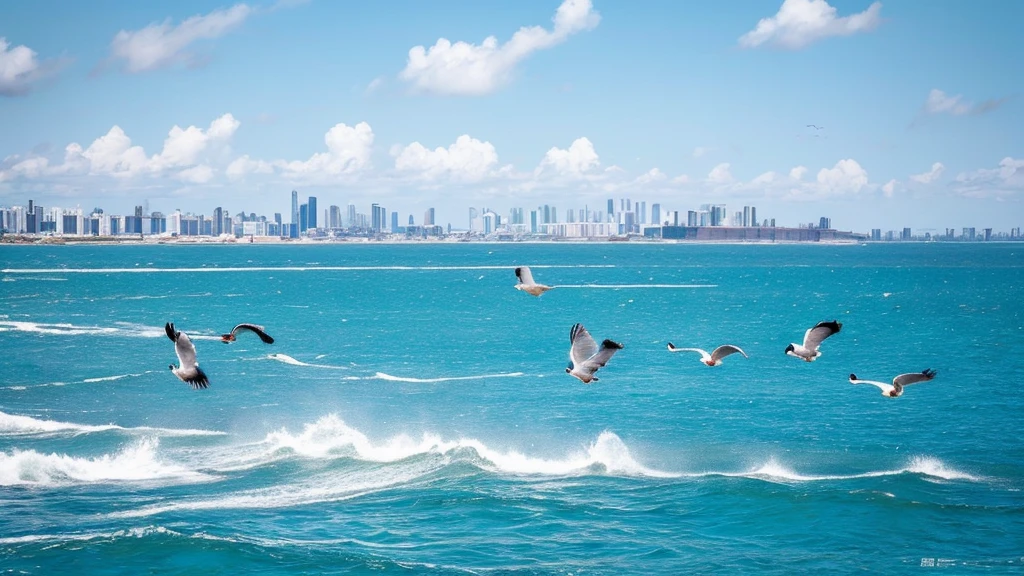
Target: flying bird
x,y
526,283
815,127
188,369
258,330
895,390
584,356
808,351
713,359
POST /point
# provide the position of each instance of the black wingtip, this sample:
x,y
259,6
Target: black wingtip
x,y
611,344
266,338
169,330
929,373
671,346
200,381
833,325
853,376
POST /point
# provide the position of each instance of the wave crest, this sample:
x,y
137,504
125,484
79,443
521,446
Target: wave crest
x,y
15,425
136,462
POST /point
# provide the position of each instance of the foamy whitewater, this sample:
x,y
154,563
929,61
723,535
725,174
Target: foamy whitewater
x,y
414,415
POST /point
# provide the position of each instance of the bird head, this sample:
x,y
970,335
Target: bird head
x,y
170,367
225,338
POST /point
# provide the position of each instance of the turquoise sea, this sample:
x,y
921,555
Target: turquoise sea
x,y
414,414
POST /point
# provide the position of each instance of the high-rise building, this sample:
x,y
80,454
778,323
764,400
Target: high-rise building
x,y
533,221
753,216
394,222
656,214
611,207
311,216
906,234
218,221
303,218
825,223
428,217
746,216
876,234
691,218
295,207
334,217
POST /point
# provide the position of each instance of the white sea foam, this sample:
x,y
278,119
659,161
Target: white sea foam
x,y
772,470
289,360
330,437
140,532
136,462
109,378
389,377
279,269
15,425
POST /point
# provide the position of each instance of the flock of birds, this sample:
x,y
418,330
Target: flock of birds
x,y
585,356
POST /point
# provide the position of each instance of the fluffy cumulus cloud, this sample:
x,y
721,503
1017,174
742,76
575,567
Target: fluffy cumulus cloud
x,y
163,44
1003,183
243,165
931,175
575,161
348,152
800,23
720,174
21,69
847,177
467,160
183,156
469,69
938,102
889,188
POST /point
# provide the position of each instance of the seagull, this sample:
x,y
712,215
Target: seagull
x,y
713,359
188,370
895,390
584,357
815,127
527,284
258,330
808,351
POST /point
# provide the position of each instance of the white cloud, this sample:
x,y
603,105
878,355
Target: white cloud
x,y
681,179
800,23
720,174
846,177
160,45
798,173
113,155
766,178
889,188
184,147
939,102
468,160
699,151
348,151
651,176
243,165
373,85
931,175
1006,181
579,158
20,69
197,174
472,70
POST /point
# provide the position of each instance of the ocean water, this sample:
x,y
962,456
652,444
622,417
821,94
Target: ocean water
x,y
414,414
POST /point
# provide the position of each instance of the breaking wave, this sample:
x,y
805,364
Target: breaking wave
x,y
289,360
772,470
136,462
390,378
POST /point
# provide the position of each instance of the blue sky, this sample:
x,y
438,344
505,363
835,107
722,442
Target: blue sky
x,y
681,103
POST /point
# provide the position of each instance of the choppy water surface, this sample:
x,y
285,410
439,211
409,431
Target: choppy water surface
x,y
414,414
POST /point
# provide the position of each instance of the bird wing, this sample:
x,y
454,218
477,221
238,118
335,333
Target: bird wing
x,y
608,349
258,330
703,353
815,336
524,275
913,378
725,350
186,352
886,388
171,333
583,345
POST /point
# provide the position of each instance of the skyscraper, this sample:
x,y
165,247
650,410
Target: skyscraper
x,y
303,218
295,207
311,217
394,222
428,217
656,214
218,221
825,223
746,216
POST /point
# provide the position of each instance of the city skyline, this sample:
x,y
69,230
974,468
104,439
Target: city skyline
x,y
876,114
